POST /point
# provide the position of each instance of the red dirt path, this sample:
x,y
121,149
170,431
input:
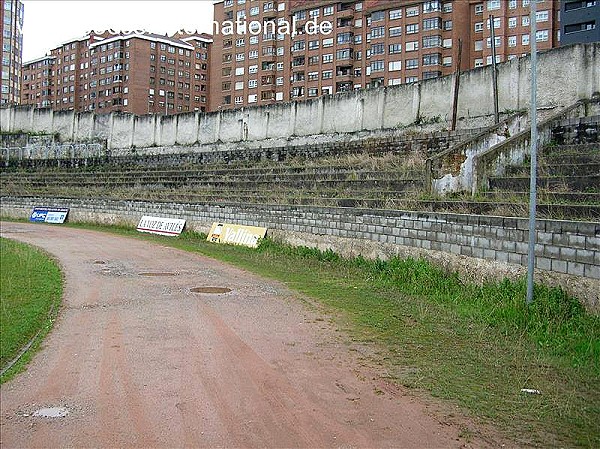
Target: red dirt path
x,y
140,361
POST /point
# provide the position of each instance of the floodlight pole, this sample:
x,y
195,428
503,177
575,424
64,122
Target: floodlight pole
x,y
494,68
533,153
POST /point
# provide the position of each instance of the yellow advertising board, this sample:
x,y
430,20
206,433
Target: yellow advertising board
x,y
236,234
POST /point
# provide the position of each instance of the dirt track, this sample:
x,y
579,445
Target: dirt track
x,y
140,361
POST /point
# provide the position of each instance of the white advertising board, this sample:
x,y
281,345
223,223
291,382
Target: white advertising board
x,y
161,226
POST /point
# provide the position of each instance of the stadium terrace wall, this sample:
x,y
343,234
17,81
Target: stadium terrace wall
x,y
568,253
566,74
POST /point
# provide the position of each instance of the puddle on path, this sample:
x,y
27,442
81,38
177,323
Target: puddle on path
x,y
51,412
210,290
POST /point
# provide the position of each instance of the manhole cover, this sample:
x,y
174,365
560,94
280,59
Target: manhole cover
x,y
210,290
51,412
157,274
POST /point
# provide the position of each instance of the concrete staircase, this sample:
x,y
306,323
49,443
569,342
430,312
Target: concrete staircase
x,y
345,181
568,181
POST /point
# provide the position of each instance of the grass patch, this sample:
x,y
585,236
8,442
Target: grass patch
x,y
473,346
30,291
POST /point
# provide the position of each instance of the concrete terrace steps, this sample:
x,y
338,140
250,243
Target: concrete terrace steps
x,y
358,184
590,183
195,177
572,211
558,169
544,196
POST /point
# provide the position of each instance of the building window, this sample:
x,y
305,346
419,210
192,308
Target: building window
x,y
412,28
377,49
412,46
395,48
328,57
478,26
525,39
412,11
432,59
432,6
541,16
493,5
376,16
512,22
432,41
478,9
377,66
497,23
432,24
412,64
512,41
394,65
395,31
377,32
541,36
395,14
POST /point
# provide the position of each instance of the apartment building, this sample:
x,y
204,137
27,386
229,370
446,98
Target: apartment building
x,y
140,73
580,21
509,21
369,43
11,42
37,85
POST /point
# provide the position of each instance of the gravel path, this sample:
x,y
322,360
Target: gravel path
x,y
141,361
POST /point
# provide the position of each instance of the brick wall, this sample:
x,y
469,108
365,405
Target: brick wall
x,y
562,246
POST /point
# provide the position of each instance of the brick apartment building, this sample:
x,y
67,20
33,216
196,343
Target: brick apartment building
x,y
37,85
137,73
372,43
11,42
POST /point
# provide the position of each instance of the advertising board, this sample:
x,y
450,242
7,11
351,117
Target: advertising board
x,y
236,234
161,226
55,215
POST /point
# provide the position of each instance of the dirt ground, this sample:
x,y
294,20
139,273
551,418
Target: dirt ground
x,y
138,360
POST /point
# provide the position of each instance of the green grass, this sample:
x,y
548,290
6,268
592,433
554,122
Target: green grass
x,y
30,291
474,347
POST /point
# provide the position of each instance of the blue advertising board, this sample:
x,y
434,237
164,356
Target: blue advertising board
x,y
49,214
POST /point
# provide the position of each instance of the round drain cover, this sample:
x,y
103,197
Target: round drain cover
x,y
157,274
210,290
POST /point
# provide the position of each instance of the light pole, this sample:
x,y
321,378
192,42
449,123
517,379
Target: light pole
x,y
533,154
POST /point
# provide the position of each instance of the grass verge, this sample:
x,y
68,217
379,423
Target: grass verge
x,y
30,291
474,346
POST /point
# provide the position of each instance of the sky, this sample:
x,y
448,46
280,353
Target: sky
x,y
48,24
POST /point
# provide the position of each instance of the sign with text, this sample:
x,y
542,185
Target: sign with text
x,y
236,234
161,226
56,215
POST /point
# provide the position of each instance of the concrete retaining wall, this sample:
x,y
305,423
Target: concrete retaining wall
x,y
566,75
563,247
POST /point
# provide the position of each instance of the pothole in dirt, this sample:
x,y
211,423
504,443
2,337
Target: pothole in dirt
x,y
51,412
216,290
157,274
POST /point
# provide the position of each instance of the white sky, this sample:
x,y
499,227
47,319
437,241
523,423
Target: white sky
x,y
48,24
